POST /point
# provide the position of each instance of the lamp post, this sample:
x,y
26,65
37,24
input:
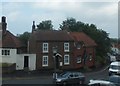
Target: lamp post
x,y
54,57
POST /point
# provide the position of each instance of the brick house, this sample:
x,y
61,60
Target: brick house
x,y
10,44
84,50
13,51
76,48
42,42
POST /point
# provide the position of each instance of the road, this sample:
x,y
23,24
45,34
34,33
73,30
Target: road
x,y
47,80
103,74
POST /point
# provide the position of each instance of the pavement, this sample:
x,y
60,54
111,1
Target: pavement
x,y
42,74
27,74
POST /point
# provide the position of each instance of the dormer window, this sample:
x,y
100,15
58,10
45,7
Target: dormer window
x,y
78,45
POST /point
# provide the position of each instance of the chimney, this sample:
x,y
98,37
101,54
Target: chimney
x,y
33,27
4,24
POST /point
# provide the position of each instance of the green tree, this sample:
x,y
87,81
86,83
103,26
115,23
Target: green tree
x,y
99,36
24,37
45,25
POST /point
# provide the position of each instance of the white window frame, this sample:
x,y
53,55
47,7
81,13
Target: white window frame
x,y
45,47
66,47
68,59
45,59
5,52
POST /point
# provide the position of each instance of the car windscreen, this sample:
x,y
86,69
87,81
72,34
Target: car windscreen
x,y
115,67
64,75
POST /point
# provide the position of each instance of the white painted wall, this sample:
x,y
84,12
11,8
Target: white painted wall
x,y
8,58
20,61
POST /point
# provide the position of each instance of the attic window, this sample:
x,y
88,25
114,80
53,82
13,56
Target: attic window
x,y
78,45
5,52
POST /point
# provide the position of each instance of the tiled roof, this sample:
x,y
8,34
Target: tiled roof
x,y
82,37
11,41
51,36
116,45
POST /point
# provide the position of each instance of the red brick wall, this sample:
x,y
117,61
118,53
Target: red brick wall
x,y
77,52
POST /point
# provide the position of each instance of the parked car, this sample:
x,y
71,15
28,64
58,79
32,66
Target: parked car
x,y
115,79
70,78
114,68
100,83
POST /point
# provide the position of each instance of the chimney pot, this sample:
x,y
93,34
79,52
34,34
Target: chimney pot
x,y
4,19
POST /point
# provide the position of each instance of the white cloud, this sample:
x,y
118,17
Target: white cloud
x,y
104,15
14,16
8,7
0,9
60,0
56,6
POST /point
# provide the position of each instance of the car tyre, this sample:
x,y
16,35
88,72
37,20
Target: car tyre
x,y
64,83
110,74
81,82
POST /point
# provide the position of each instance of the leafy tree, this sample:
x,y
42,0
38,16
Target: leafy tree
x,y
114,40
24,37
100,36
45,25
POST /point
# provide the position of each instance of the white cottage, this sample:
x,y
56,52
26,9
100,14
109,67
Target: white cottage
x,y
12,50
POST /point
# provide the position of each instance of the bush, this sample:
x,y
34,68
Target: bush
x,y
8,67
5,64
100,61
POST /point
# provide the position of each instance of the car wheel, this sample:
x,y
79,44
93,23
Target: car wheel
x,y
81,82
64,83
110,74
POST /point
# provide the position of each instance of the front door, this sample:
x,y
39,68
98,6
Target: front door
x,y
26,61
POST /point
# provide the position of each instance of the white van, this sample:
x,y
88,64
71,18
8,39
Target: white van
x,y
114,68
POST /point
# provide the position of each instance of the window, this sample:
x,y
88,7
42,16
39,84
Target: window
x,y
66,47
78,46
79,59
45,47
6,52
45,61
90,57
71,76
66,59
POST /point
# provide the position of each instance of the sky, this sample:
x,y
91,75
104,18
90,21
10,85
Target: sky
x,y
20,14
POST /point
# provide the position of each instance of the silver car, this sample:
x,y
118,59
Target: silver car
x,y
70,78
115,79
100,83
